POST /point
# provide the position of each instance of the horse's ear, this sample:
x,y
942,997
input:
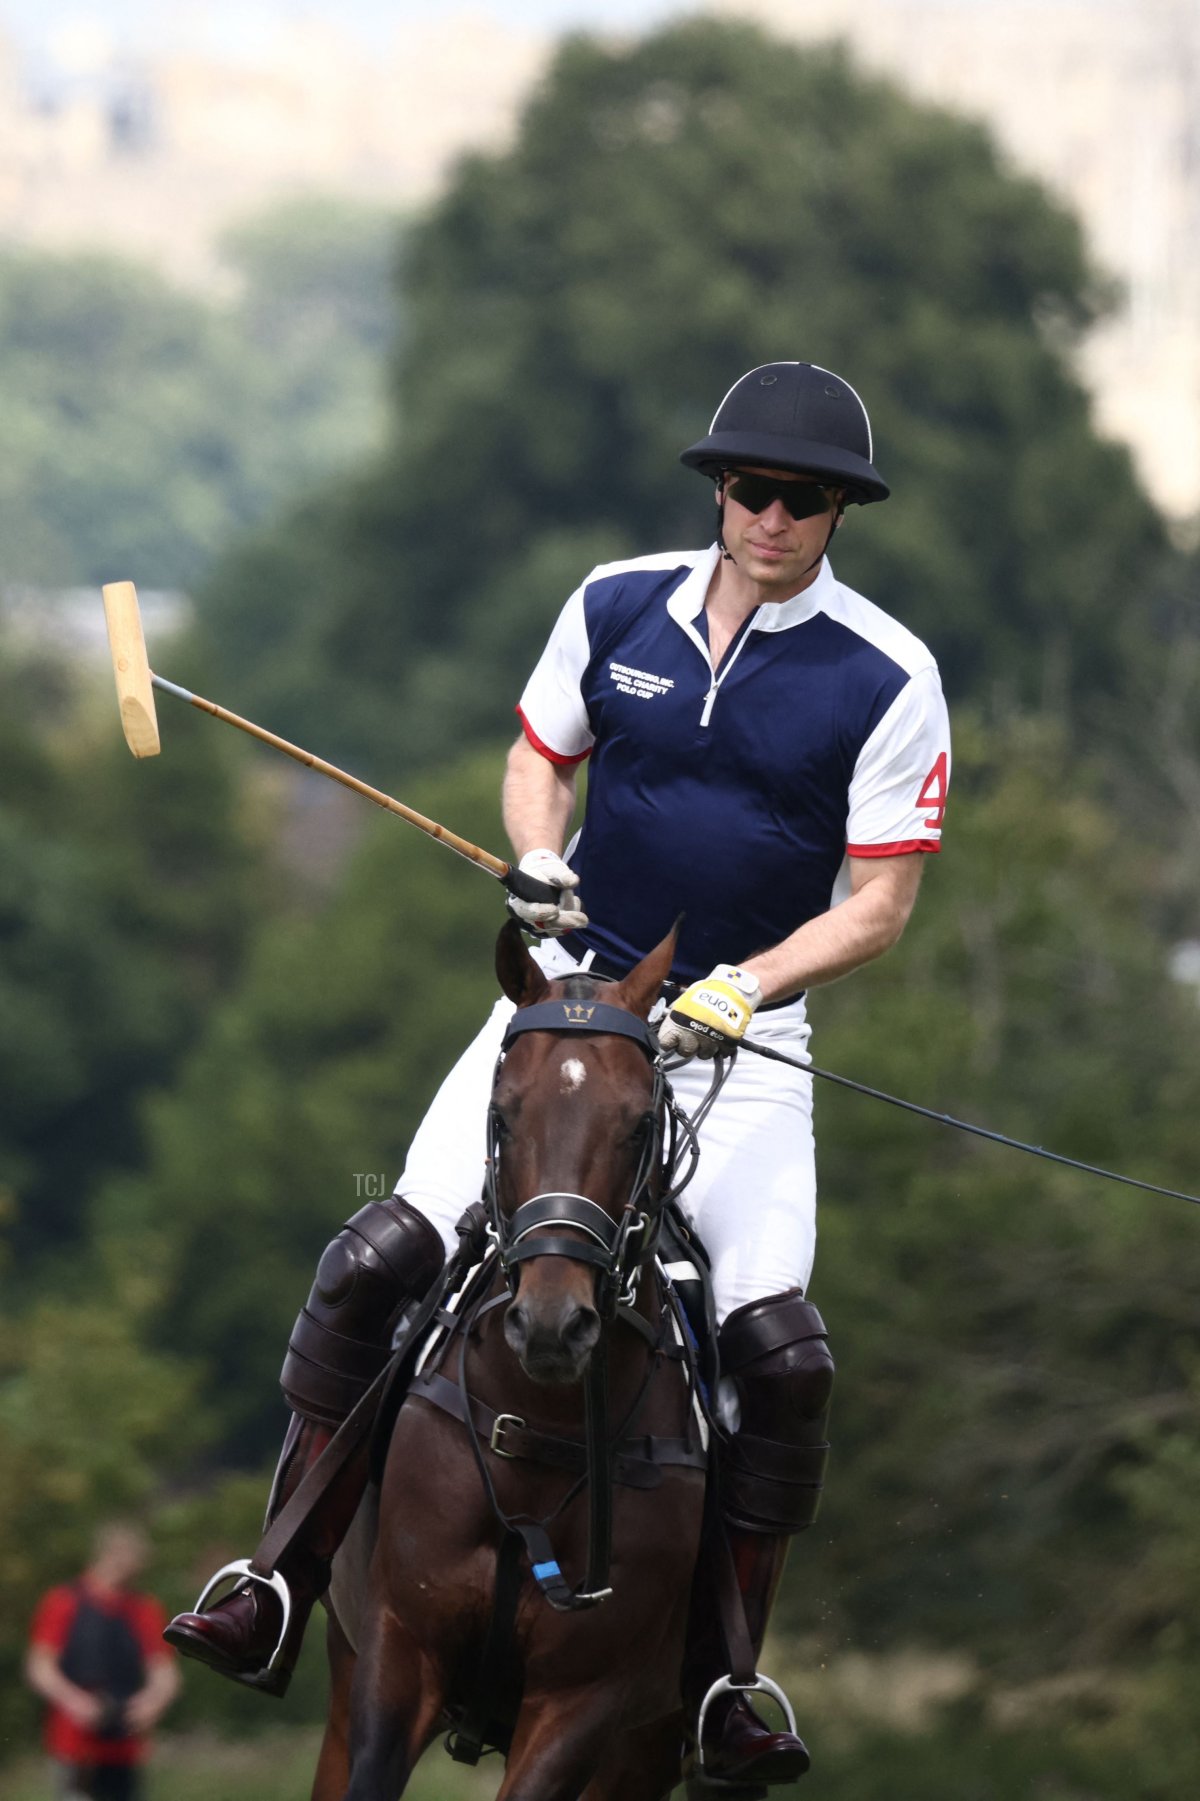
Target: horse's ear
x,y
519,976
641,987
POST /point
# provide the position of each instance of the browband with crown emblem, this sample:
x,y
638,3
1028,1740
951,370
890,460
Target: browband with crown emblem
x,y
581,1016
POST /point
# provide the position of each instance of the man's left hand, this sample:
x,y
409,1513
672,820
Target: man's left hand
x,y
142,1711
710,1016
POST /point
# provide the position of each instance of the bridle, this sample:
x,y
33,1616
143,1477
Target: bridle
x,y
618,1249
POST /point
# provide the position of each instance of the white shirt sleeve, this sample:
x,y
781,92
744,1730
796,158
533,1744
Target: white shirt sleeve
x,y
552,707
898,790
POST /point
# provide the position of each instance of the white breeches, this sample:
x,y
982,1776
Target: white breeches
x,y
753,1197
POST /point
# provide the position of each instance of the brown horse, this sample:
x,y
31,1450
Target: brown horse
x,y
599,1712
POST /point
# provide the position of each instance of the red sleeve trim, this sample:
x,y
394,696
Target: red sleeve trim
x,y
551,756
905,846
148,1620
51,1626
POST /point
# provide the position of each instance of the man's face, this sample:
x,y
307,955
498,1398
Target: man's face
x,y
120,1555
772,549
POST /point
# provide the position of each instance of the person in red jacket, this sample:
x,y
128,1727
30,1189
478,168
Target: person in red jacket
x,y
97,1658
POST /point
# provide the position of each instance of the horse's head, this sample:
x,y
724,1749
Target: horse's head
x,y
576,1146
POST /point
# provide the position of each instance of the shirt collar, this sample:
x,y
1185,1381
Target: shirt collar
x,y
777,616
687,602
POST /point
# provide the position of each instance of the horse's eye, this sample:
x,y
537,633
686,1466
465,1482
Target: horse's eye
x,y
501,1126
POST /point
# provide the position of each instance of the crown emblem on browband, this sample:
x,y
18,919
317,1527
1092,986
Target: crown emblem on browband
x,y
576,1013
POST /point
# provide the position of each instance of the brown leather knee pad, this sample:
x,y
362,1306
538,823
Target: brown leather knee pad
x,y
385,1257
773,1468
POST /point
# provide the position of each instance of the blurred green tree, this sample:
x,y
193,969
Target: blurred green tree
x,y
674,211
296,1105
1007,1331
316,313
145,426
1152,1606
87,1420
127,413
127,893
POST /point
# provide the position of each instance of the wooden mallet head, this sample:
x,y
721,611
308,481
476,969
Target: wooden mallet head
x,y
131,666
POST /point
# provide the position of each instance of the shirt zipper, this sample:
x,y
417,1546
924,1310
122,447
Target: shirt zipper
x,y
710,699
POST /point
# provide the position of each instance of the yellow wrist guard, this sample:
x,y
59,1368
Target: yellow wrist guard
x,y
721,1006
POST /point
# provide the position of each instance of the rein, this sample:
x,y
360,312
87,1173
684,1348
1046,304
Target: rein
x,y
638,1464
519,1530
617,1249
963,1125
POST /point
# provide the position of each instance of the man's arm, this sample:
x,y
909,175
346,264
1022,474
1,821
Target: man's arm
x,y
538,799
144,1710
47,1680
712,1014
867,923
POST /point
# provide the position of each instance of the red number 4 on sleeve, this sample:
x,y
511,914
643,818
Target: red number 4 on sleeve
x,y
933,792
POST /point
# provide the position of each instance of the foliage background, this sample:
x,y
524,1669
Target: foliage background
x,y
379,469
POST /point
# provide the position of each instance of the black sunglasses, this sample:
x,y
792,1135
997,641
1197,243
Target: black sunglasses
x,y
756,492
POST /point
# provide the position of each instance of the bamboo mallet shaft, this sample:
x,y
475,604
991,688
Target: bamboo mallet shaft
x,y
463,846
135,695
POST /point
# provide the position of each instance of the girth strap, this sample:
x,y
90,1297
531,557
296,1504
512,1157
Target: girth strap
x,y
638,1462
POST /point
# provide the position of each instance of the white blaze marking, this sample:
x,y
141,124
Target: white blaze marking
x,y
574,1075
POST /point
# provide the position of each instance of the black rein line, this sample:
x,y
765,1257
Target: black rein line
x,y
962,1125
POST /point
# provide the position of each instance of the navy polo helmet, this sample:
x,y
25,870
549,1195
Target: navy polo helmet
x,y
793,416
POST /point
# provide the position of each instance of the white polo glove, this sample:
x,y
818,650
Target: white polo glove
x,y
710,1016
549,919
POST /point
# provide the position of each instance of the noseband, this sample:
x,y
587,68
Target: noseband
x,y
617,1248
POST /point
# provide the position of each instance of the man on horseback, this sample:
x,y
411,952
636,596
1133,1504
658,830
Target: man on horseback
x,y
769,756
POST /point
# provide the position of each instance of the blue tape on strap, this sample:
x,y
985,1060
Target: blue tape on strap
x,y
542,1570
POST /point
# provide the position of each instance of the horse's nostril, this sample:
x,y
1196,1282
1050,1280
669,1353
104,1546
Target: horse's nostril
x,y
582,1330
516,1326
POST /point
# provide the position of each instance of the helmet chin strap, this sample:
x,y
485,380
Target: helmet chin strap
x,y
726,553
728,556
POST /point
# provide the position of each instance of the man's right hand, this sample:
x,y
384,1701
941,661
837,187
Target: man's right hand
x,y
84,1708
550,919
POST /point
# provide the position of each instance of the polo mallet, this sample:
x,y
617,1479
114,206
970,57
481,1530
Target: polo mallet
x,y
136,683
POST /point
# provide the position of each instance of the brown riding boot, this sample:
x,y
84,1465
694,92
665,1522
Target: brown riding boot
x,y
381,1262
772,1468
242,1636
740,1750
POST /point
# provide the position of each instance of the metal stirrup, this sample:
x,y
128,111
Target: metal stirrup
x,y
275,1582
726,1685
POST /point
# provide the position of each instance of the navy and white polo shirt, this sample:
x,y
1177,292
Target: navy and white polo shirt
x,y
733,797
